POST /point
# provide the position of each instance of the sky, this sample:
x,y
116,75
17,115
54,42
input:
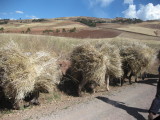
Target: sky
x,y
36,9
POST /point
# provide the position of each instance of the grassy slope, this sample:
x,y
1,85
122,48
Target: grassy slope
x,y
31,43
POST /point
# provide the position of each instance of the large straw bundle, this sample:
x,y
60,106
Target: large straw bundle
x,y
88,62
48,71
17,74
114,63
137,57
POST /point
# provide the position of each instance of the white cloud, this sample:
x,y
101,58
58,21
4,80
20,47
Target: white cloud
x,y
102,3
32,17
145,12
149,12
19,12
130,12
128,2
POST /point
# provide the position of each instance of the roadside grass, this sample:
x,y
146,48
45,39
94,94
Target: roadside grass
x,y
48,98
32,43
62,45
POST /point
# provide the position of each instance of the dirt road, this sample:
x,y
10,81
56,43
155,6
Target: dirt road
x,y
125,103
130,102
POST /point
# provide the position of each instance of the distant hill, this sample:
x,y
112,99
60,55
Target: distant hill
x,y
83,27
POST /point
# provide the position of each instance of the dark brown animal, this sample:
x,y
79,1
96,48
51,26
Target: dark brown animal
x,y
32,99
73,81
90,86
127,70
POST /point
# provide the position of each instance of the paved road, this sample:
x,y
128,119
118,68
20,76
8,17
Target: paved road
x,y
126,103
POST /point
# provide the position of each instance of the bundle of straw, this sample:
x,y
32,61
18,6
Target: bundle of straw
x,y
114,62
48,71
137,57
88,62
17,74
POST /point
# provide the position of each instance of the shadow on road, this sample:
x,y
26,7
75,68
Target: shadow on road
x,y
151,79
130,110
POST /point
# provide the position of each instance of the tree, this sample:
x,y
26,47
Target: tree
x,y
63,30
57,30
156,32
48,31
89,22
28,30
2,29
72,30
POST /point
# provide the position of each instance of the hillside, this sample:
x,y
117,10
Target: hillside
x,y
83,27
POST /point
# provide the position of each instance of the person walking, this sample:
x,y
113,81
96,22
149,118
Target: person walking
x,y
155,106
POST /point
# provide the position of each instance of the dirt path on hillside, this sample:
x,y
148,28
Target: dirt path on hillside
x,y
134,35
129,102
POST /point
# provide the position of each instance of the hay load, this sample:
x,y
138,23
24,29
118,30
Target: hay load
x,y
17,75
136,58
114,63
47,70
87,64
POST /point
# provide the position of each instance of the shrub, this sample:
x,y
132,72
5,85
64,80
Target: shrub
x,y
28,30
39,20
57,30
1,29
72,30
87,22
48,31
63,30
129,21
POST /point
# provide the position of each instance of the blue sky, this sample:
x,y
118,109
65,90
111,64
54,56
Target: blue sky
x,y
32,9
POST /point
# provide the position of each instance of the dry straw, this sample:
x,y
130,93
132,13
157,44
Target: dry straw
x,y
89,62
114,63
137,56
48,71
16,73
21,73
